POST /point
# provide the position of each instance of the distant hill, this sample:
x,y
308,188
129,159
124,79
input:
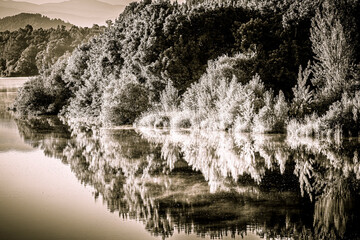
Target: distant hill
x,y
82,13
37,21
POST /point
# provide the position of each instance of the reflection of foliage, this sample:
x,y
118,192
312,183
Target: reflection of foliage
x,y
219,155
47,134
330,217
162,178
330,172
7,97
303,170
326,162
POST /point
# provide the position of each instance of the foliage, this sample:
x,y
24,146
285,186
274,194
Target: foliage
x,y
222,76
44,95
342,119
251,102
33,98
303,96
219,88
334,54
169,98
124,100
334,76
225,98
181,63
300,10
272,117
159,42
279,50
28,51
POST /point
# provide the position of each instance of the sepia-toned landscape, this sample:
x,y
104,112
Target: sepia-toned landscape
x,y
222,119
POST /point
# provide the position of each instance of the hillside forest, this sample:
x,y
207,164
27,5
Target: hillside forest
x,y
29,51
259,66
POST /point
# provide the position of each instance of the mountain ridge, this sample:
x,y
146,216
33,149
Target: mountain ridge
x,y
13,23
77,12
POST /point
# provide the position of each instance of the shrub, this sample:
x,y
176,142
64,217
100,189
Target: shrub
x,y
162,121
169,98
273,115
33,99
147,119
214,100
181,120
309,126
344,114
250,103
303,96
281,110
123,101
153,118
341,118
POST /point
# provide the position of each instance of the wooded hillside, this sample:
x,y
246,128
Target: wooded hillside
x,y
28,51
259,66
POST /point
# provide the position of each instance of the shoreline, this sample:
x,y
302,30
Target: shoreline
x,y
10,84
16,78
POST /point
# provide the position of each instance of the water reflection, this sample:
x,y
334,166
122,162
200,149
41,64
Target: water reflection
x,y
212,183
329,172
9,136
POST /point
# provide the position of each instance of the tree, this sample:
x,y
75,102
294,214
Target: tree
x,y
124,100
303,96
334,53
27,64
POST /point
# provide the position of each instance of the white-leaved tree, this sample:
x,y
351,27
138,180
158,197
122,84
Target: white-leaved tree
x,y
169,98
303,96
334,54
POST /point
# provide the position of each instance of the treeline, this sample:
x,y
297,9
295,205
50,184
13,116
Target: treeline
x,y
13,23
219,65
28,51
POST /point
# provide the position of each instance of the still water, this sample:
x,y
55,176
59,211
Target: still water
x,y
74,182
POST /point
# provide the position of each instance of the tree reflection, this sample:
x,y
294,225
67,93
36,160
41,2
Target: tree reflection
x,y
212,183
329,172
219,156
46,133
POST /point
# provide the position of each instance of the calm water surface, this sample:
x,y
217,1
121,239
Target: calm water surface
x,y
72,182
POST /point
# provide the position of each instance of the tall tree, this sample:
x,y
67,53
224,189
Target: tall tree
x,y
334,53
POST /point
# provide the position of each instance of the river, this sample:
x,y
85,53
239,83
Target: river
x,y
73,182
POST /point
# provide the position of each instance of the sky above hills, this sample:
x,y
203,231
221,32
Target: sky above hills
x,y
113,2
83,13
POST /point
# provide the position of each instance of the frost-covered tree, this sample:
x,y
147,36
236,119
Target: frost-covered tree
x,y
169,98
303,96
334,53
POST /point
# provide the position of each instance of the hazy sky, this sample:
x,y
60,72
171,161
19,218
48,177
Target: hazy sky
x,y
120,2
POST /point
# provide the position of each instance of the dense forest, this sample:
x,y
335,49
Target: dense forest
x,y
247,65
13,23
29,51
